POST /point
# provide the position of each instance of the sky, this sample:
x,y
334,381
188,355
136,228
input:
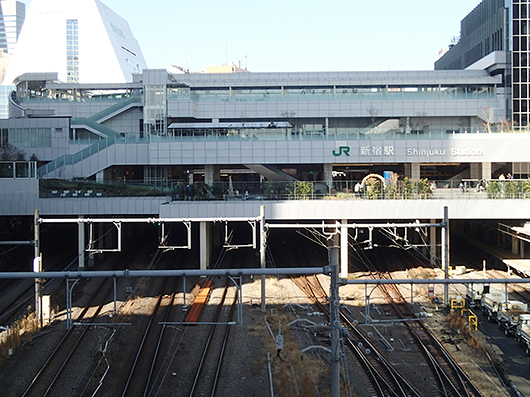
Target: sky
x,y
293,35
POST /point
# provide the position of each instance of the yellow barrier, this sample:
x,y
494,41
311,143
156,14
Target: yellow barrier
x,y
471,319
457,304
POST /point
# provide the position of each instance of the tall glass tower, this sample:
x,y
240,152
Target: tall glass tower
x,y
12,14
496,35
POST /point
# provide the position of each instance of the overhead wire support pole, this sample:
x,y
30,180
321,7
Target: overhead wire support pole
x,y
334,303
37,268
262,257
445,253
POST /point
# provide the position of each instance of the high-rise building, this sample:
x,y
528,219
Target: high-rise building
x,y
82,41
12,14
495,36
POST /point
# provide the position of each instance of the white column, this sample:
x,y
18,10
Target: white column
x,y
486,170
205,244
415,171
211,174
412,170
475,170
344,249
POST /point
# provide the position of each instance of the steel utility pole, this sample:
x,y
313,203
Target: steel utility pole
x,y
334,318
262,257
37,268
445,253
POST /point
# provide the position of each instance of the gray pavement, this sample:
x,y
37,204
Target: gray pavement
x,y
513,356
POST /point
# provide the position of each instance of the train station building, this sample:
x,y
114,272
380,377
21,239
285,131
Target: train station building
x,y
243,135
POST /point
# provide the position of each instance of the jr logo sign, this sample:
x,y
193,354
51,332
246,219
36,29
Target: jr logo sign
x,y
342,150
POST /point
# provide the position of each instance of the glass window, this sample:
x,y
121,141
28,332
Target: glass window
x,y
515,59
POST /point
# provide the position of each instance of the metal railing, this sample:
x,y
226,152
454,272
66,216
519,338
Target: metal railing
x,y
370,189
18,169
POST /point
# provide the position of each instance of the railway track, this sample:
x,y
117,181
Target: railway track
x,y
211,360
54,378
384,379
157,353
447,377
57,362
451,380
139,381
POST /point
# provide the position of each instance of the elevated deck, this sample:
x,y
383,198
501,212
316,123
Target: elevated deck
x,y
291,210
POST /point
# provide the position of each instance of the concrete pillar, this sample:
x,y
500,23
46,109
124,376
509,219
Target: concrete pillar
x,y
412,170
515,245
521,249
328,175
205,245
475,170
344,249
211,174
486,170
432,240
100,176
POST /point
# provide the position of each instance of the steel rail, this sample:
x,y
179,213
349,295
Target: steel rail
x,y
62,342
70,332
140,350
159,342
208,341
447,381
223,347
374,365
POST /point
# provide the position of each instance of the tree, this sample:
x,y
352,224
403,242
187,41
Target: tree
x,y
373,112
485,114
11,153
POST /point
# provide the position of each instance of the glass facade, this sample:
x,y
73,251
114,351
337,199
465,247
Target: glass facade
x,y
5,91
155,110
72,51
28,137
11,20
346,93
520,55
